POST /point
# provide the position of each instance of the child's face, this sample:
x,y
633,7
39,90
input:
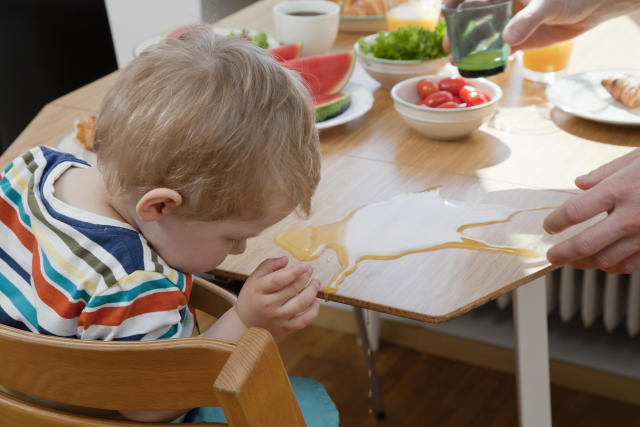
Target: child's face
x,y
200,246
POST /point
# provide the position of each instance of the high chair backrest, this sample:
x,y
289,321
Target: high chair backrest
x,y
247,379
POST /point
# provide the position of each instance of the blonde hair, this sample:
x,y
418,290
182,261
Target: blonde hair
x,y
216,119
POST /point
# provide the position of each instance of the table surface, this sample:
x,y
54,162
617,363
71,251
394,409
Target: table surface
x,y
526,156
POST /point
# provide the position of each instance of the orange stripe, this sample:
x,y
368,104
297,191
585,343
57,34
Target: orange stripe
x,y
51,296
9,216
114,316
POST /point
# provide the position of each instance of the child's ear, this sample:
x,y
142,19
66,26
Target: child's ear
x,y
156,203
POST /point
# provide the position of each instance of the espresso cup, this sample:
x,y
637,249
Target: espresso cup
x,y
312,22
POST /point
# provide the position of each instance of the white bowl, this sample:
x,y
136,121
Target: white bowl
x,y
391,71
443,123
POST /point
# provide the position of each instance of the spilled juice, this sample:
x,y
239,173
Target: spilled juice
x,y
406,224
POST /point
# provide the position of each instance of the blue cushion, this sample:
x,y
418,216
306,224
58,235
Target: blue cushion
x,y
317,407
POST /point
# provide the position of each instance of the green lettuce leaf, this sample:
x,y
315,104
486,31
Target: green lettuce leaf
x,y
407,43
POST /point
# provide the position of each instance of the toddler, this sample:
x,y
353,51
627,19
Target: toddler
x,y
202,143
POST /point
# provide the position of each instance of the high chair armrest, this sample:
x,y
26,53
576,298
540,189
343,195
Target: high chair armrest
x,y
253,387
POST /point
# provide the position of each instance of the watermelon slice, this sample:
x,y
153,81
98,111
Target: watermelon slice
x,y
286,52
324,74
330,105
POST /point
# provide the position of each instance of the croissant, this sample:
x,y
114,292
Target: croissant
x,y
624,88
85,130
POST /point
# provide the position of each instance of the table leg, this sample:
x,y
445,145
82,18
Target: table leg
x,y
532,354
372,324
374,386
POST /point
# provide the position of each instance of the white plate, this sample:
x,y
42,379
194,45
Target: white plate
x,y
584,96
222,31
361,102
70,144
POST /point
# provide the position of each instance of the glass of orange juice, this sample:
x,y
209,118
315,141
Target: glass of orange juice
x,y
419,13
545,64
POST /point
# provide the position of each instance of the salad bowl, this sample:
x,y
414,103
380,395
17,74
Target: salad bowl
x,y
391,71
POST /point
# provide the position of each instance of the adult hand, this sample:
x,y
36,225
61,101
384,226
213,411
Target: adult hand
x,y
278,298
612,244
538,23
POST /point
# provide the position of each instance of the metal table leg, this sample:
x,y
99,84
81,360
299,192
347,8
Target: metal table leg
x,y
374,384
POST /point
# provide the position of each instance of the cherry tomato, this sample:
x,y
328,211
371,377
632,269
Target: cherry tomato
x,y
426,87
437,98
452,104
452,84
457,99
473,96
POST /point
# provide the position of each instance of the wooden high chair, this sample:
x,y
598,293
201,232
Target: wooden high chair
x,y
247,379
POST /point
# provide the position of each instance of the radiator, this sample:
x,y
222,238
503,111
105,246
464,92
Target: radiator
x,y
592,295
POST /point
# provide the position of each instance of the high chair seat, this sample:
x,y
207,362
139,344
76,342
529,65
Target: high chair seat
x,y
317,407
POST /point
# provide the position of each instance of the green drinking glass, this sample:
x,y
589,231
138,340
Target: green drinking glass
x,y
475,31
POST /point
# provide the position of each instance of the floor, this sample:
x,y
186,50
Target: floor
x,y
424,390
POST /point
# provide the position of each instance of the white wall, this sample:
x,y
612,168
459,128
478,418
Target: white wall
x,y
132,21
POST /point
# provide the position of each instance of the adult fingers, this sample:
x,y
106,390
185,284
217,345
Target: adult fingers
x,y
595,176
579,208
616,253
611,259
302,300
590,241
631,264
525,22
546,35
446,43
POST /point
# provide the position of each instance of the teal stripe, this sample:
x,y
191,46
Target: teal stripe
x,y
7,168
181,281
63,282
16,297
170,333
131,294
16,198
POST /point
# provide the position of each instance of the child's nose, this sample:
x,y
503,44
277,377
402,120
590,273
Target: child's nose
x,y
239,247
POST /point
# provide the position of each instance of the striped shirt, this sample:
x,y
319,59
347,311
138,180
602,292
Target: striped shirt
x,y
72,273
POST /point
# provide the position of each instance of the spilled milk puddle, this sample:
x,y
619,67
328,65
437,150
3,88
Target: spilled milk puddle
x,y
407,223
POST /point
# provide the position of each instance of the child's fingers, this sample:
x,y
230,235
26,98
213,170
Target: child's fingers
x,y
280,279
301,302
291,290
303,319
270,265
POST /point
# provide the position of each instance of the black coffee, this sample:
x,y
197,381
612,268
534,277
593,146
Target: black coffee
x,y
306,13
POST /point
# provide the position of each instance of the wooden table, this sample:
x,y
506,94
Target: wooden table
x,y
527,156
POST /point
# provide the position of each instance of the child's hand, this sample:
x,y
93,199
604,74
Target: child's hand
x,y
279,299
